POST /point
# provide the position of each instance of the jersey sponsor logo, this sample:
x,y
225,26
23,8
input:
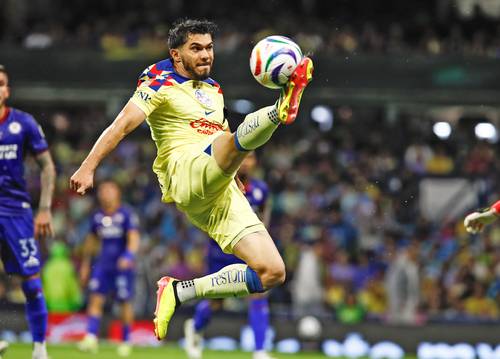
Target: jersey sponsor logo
x,y
8,152
205,126
15,128
203,98
110,232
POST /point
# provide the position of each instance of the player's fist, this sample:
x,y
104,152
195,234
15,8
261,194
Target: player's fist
x,y
43,224
476,221
82,180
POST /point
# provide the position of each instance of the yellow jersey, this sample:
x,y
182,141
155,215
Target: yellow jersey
x,y
180,111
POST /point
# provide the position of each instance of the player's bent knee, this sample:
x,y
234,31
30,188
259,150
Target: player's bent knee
x,y
273,276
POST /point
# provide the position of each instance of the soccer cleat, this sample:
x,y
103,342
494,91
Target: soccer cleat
x,y
88,344
194,340
166,302
39,351
289,101
124,350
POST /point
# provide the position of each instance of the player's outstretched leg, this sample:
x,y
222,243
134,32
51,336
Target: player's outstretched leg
x,y
37,315
258,127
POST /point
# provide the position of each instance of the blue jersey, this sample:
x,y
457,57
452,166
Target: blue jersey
x,y
256,192
19,132
112,230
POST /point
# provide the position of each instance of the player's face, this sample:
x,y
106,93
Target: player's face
x,y
195,57
109,194
4,88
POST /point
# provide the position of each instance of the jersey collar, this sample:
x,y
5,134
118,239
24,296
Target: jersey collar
x,y
5,115
169,66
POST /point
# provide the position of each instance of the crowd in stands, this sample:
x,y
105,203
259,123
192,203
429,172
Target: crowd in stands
x,y
345,215
127,29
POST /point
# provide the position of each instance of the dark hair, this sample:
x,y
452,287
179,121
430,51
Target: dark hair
x,y
178,34
3,69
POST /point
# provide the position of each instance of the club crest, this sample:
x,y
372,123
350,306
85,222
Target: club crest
x,y
203,98
15,128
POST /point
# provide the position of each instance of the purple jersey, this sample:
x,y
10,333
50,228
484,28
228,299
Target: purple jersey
x,y
112,231
256,192
18,132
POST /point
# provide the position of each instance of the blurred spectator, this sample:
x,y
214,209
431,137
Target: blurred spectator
x,y
403,286
62,290
350,311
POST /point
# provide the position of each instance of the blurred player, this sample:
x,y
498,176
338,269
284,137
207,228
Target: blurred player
x,y
114,230
19,134
476,221
197,160
256,192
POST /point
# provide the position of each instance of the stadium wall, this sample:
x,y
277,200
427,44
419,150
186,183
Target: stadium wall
x,y
230,325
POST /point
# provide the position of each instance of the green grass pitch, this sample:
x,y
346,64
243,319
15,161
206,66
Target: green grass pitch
x,y
108,351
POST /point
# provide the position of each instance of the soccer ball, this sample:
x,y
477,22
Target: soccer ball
x,y
309,327
273,60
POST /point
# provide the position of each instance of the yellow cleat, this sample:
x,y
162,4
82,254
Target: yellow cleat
x,y
166,303
289,101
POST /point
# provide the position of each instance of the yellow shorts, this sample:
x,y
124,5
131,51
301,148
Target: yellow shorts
x,y
209,197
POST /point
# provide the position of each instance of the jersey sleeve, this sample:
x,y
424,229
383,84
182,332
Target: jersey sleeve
x,y
147,95
35,138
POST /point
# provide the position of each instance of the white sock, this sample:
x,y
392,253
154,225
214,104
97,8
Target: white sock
x,y
230,281
257,128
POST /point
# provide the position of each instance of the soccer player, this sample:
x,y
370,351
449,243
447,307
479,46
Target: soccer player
x,y
19,134
476,221
114,230
197,160
256,191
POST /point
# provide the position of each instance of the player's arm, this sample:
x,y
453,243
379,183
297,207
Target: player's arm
x,y
43,219
88,252
127,120
476,221
265,211
126,261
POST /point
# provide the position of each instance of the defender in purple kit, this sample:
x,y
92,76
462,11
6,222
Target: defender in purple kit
x,y
257,193
114,228
20,134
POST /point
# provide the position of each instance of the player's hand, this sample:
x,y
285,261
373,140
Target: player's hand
x,y
82,180
476,221
43,224
125,263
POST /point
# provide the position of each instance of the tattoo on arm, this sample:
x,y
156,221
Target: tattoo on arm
x,y
47,179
